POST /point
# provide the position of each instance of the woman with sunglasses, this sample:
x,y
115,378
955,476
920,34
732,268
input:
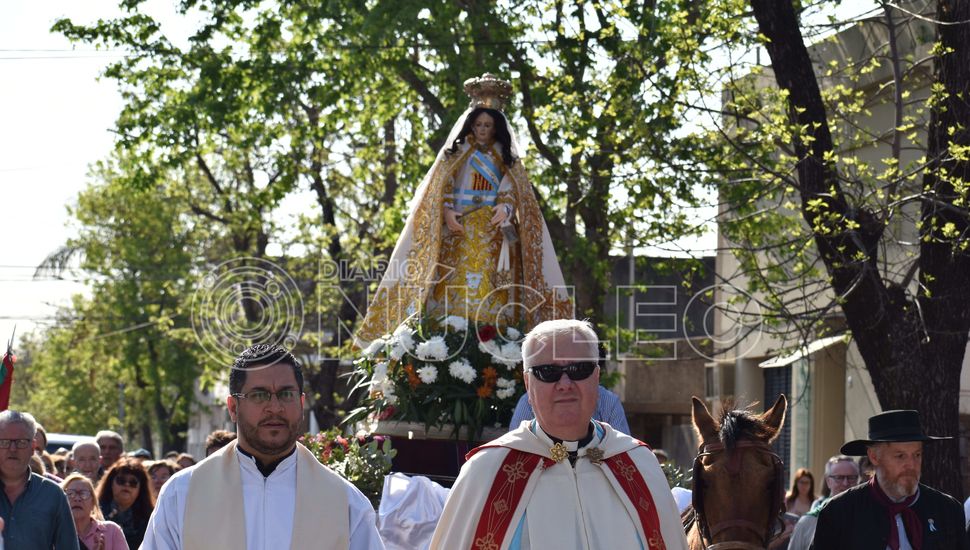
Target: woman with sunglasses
x,y
125,497
92,531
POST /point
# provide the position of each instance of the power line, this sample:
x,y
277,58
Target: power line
x,y
35,57
22,169
28,50
11,266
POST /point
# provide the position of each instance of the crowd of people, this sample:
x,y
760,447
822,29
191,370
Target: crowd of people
x,y
561,479
110,494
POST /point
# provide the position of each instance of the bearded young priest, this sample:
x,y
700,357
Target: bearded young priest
x,y
263,491
561,481
893,510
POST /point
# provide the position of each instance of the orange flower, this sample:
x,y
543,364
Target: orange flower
x,y
413,379
490,375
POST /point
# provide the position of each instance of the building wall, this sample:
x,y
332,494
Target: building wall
x,y
210,415
656,395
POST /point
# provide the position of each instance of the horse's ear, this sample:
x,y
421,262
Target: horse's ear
x,y
704,423
774,417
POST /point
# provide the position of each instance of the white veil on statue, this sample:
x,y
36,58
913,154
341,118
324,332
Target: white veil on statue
x,y
413,270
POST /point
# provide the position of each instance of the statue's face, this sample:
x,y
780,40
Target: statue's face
x,y
484,128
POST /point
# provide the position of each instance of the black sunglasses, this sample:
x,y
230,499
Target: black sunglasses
x,y
129,481
552,373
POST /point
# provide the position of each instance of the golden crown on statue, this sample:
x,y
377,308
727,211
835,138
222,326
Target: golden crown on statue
x,y
488,91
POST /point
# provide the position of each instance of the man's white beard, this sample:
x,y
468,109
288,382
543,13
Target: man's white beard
x,y
896,489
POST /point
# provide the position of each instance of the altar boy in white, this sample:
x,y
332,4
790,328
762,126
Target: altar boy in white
x,y
263,491
561,481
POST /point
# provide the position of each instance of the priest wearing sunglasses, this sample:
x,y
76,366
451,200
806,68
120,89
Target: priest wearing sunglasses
x,y
561,481
608,409
263,491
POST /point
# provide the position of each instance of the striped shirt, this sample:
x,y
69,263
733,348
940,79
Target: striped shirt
x,y
608,409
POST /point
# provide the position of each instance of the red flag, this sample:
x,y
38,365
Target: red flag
x,y
6,375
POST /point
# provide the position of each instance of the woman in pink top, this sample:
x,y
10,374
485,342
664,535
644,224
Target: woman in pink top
x,y
92,531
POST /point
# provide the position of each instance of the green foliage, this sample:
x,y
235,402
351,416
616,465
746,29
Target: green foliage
x,y
353,99
126,346
749,154
676,476
361,460
343,105
67,379
609,379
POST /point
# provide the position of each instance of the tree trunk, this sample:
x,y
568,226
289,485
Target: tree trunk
x,y
913,351
944,296
161,414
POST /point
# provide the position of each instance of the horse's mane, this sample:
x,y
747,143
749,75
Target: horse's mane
x,y
742,424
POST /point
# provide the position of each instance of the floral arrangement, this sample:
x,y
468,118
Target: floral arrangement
x,y
442,371
361,460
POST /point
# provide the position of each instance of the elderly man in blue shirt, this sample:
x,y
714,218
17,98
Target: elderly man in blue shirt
x,y
608,409
35,510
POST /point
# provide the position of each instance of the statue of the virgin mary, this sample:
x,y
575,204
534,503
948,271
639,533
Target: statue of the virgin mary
x,y
475,244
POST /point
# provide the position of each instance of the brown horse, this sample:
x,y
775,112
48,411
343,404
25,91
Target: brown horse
x,y
738,485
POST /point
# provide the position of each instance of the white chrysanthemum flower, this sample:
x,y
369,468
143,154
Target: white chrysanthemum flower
x,y
389,396
397,351
462,370
456,322
509,354
512,333
505,393
380,374
433,349
428,374
505,383
405,336
489,347
374,347
512,351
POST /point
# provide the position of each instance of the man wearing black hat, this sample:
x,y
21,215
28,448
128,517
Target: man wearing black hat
x,y
893,510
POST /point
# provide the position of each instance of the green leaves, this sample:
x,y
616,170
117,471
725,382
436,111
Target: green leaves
x,y
124,346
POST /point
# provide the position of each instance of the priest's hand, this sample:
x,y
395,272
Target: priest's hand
x,y
451,220
501,213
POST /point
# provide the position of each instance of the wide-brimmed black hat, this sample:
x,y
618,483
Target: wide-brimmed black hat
x,y
888,427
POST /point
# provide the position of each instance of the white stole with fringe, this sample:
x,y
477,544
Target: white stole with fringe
x,y
215,515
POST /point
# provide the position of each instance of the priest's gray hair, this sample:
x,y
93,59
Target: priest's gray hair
x,y
16,417
549,331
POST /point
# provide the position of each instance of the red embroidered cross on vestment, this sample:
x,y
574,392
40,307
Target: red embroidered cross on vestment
x,y
513,476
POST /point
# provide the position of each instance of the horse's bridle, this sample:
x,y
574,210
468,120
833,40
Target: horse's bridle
x,y
762,531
